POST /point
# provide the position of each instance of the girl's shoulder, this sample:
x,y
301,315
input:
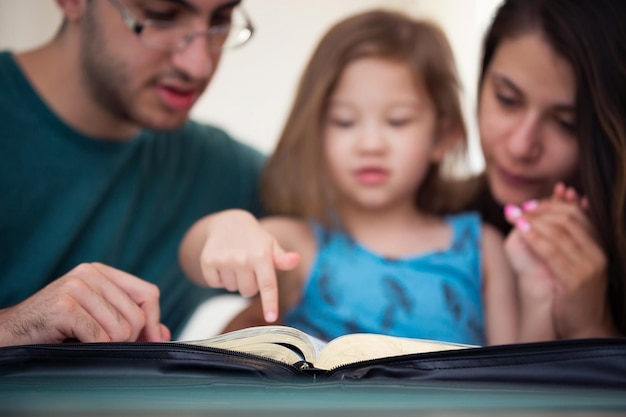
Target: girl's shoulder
x,y
492,245
491,235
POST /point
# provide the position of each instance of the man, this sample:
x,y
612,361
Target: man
x,y
102,173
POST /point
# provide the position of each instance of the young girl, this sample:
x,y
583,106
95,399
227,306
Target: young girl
x,y
352,184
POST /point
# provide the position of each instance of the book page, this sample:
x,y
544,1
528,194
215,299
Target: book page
x,y
318,346
359,347
282,343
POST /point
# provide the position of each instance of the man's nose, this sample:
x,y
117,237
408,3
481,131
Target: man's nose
x,y
197,58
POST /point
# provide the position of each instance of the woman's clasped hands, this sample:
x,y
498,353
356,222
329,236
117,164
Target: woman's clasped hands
x,y
561,267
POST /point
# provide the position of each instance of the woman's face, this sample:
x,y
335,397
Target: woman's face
x,y
526,120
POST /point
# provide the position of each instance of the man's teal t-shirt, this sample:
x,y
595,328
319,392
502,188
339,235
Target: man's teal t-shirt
x,y
67,198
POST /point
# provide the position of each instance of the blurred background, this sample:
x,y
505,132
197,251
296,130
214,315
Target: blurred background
x,y
252,90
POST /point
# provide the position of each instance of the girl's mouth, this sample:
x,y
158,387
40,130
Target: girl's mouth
x,y
372,176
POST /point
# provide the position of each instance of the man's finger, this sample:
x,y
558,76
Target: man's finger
x,y
145,294
80,325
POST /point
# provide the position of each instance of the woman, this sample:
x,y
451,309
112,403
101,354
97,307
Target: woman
x,y
552,108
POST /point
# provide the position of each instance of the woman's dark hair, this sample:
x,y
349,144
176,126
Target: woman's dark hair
x,y
591,36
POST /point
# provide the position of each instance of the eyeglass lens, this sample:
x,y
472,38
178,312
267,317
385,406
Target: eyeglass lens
x,y
169,26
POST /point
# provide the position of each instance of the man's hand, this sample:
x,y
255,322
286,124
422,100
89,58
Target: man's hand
x,y
91,303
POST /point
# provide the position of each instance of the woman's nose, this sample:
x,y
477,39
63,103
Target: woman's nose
x,y
524,141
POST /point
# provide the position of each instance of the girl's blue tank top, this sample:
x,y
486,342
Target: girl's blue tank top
x,y
436,295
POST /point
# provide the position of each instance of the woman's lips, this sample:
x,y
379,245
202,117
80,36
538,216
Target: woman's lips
x,y
371,176
515,180
177,99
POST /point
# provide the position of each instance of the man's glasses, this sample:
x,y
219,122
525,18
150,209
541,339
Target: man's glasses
x,y
169,27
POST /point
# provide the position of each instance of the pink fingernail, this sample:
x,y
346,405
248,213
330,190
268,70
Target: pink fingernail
x,y
270,317
523,225
512,212
530,205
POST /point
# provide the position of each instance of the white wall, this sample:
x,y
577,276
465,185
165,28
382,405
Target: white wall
x,y
26,23
253,88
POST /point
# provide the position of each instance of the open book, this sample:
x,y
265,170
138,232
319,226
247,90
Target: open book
x,y
290,345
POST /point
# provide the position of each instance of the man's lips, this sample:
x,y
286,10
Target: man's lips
x,y
371,176
177,98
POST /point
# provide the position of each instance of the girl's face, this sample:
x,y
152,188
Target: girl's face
x,y
379,135
527,120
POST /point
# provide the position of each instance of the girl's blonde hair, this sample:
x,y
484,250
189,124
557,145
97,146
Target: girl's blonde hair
x,y
295,181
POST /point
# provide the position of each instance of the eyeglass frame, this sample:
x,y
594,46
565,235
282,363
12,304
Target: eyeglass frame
x,y
136,27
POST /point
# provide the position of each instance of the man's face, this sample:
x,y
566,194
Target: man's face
x,y
141,86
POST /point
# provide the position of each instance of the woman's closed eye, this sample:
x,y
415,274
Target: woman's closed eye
x,y
566,125
507,100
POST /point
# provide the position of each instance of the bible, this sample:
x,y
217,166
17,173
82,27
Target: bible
x,y
290,346
594,363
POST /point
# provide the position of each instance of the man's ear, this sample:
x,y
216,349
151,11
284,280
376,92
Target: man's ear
x,y
72,10
448,136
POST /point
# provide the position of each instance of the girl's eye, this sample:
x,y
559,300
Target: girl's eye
x,y
342,123
398,122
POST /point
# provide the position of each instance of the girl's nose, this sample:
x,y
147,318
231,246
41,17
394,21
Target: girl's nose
x,y
371,138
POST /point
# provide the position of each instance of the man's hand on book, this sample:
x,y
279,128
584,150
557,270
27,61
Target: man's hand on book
x,y
91,303
240,255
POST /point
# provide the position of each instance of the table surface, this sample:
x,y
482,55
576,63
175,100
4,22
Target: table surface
x,y
183,397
